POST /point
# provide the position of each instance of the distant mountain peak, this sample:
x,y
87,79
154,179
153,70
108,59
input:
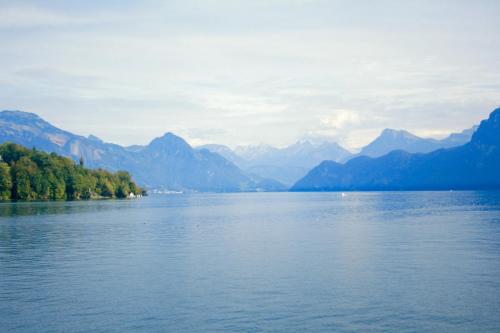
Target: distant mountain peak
x,y
169,136
94,138
488,132
389,131
392,139
394,133
304,142
169,141
217,148
254,151
19,115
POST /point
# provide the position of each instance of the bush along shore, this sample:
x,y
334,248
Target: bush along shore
x,y
30,174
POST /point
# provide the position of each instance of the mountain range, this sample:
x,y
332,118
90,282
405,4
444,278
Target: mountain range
x,y
391,139
474,165
168,162
286,165
291,163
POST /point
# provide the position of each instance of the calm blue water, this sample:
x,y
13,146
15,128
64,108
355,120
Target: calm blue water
x,y
282,262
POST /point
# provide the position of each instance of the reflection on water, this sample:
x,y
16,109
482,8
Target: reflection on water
x,y
280,262
10,209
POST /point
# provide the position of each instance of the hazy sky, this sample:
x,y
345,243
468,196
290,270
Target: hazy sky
x,y
245,72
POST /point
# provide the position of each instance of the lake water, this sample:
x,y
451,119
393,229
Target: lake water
x,y
255,262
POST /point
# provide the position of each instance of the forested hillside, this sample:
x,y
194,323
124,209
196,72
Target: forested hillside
x,y
35,175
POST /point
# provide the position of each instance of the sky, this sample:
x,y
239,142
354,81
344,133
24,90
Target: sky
x,y
251,72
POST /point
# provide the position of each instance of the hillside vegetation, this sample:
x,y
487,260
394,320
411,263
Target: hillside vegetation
x,y
30,174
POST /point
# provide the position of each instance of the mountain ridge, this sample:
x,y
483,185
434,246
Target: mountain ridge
x,y
393,139
167,162
292,162
286,164
473,165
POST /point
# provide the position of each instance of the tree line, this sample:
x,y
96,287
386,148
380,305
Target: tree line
x,y
30,174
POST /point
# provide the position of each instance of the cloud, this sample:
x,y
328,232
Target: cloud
x,y
340,126
265,71
340,119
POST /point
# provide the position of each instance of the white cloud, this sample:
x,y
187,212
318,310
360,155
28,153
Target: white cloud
x,y
340,118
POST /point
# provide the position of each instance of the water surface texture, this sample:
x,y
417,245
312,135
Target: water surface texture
x,y
256,262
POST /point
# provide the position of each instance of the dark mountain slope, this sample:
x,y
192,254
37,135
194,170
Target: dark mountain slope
x,y
474,165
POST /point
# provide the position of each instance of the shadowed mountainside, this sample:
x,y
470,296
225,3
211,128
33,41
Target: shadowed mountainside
x,y
474,165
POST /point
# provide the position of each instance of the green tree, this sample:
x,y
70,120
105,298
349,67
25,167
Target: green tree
x,y
105,188
57,187
22,172
74,186
122,190
5,181
35,175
